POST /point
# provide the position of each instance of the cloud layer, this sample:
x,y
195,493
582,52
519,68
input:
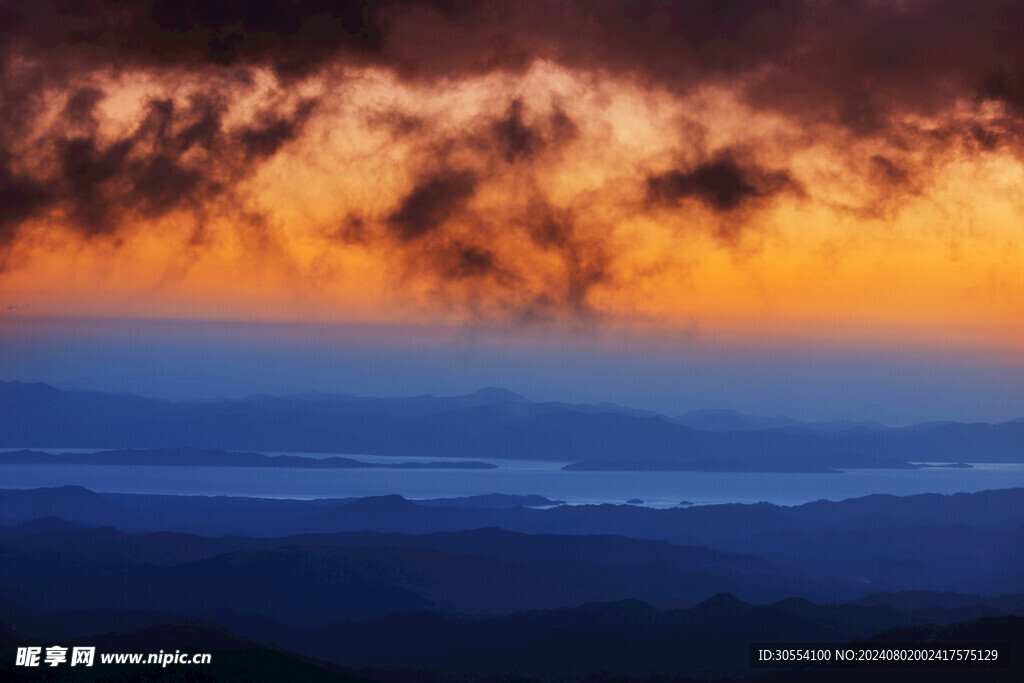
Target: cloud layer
x,y
521,162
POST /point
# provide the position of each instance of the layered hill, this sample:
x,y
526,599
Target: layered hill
x,y
491,423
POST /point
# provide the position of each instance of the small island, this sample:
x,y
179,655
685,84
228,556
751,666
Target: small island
x,y
198,457
792,464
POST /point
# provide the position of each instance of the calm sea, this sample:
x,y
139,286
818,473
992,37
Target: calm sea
x,y
657,489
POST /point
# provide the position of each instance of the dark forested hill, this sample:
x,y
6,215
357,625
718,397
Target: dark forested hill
x,y
969,543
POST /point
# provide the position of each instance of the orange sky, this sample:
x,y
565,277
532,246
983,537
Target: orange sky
x,y
552,194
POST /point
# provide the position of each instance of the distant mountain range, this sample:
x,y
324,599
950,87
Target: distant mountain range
x,y
490,423
732,421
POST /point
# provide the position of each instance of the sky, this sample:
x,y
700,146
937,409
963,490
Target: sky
x,y
803,206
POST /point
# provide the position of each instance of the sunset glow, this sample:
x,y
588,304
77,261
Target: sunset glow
x,y
556,184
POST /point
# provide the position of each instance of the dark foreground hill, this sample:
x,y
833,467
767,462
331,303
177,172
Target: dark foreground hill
x,y
623,640
678,596
307,580
233,658
966,543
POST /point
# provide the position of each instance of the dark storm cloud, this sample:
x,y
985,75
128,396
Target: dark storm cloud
x,y
515,138
548,231
161,184
85,177
470,261
432,202
529,259
560,126
860,66
519,135
586,259
82,105
291,36
587,265
892,182
20,199
680,40
273,130
176,157
523,260
722,184
888,172
853,64
985,138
